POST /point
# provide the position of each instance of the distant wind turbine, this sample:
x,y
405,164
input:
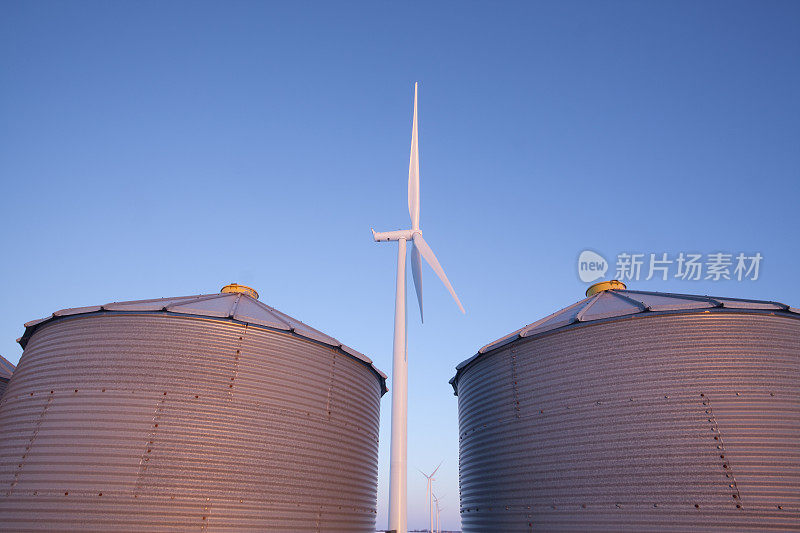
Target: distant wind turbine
x,y
398,473
431,479
438,510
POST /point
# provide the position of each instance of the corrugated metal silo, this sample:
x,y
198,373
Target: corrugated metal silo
x,y
6,370
208,412
635,410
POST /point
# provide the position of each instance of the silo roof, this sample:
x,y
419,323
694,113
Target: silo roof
x,y
610,304
6,368
235,306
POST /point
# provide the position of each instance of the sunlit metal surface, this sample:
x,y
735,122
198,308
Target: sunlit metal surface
x,y
6,370
242,308
610,304
133,420
657,420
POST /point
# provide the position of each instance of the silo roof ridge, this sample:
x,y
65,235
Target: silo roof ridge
x,y
236,306
614,303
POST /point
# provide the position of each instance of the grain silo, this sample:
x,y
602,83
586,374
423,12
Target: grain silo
x,y
211,412
6,370
634,410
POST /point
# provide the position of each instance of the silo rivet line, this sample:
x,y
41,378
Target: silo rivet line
x,y
330,385
236,356
721,446
144,459
514,382
36,429
206,513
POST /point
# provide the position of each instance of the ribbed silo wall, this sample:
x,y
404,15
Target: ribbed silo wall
x,y
3,385
673,422
156,422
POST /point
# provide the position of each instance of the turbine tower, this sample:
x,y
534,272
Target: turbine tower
x,y
398,472
431,479
438,510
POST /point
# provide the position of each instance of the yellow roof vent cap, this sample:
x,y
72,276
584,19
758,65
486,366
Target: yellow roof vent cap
x,y
605,286
240,289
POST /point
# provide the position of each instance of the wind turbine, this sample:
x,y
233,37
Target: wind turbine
x,y
398,472
431,479
438,510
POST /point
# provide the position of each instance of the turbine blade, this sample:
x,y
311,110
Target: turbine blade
x,y
416,270
437,468
413,171
427,253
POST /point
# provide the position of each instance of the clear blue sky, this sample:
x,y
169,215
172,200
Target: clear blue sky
x,y
166,148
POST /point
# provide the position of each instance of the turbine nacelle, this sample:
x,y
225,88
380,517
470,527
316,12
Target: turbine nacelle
x,y
419,250
386,236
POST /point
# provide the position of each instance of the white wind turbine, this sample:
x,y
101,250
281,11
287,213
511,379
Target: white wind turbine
x,y
398,472
438,510
431,479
